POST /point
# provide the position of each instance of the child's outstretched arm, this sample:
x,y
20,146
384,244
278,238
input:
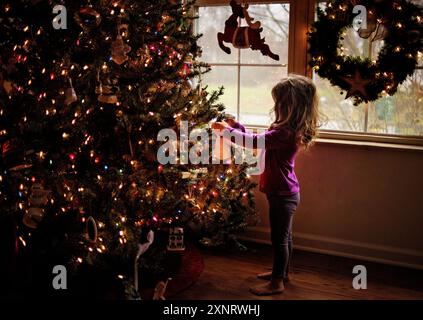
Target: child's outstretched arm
x,y
273,139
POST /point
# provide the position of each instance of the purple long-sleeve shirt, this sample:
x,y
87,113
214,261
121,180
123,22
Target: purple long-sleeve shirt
x,y
281,149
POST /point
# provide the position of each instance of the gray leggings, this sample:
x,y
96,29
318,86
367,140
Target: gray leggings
x,y
281,211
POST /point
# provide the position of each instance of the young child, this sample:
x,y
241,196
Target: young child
x,y
295,125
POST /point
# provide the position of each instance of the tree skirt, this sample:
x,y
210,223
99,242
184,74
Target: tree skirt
x,y
184,268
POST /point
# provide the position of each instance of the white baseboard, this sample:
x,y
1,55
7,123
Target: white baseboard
x,y
389,255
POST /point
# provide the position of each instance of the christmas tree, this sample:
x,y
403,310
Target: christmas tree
x,y
85,88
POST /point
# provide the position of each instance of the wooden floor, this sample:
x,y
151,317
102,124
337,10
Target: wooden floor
x,y
228,275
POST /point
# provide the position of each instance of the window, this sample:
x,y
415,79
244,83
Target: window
x,y
401,114
247,75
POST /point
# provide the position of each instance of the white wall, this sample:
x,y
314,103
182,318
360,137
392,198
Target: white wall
x,y
357,201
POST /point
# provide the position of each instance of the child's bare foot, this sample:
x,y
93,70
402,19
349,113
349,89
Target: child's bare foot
x,y
268,276
265,275
272,287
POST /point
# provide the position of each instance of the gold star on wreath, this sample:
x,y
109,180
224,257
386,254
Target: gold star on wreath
x,y
358,85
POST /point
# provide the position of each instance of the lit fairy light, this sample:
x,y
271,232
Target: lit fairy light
x,y
22,241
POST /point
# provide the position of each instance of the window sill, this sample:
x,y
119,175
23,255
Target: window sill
x,y
371,140
370,144
364,140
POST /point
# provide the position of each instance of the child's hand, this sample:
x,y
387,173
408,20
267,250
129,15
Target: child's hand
x,y
231,122
220,125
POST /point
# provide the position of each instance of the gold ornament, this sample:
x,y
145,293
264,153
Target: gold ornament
x,y
120,49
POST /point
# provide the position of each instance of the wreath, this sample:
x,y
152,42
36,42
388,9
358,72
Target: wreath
x,y
399,23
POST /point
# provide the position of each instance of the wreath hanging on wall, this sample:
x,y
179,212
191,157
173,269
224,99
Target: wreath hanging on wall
x,y
399,23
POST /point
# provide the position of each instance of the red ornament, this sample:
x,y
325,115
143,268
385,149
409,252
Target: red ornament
x,y
72,156
160,169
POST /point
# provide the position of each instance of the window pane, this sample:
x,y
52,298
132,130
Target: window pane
x,y
354,45
228,78
255,96
274,20
255,83
339,114
211,21
402,113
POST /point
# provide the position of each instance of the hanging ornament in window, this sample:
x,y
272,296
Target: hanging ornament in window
x,y
120,49
243,37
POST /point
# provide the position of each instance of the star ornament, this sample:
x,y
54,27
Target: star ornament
x,y
357,85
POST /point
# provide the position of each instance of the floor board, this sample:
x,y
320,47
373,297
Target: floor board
x,y
228,275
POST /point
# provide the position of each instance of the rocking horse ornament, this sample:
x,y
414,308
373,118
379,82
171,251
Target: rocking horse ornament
x,y
243,37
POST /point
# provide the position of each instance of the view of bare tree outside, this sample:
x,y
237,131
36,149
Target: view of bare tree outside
x,y
401,114
247,75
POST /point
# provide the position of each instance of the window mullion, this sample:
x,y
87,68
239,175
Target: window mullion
x,y
238,98
368,104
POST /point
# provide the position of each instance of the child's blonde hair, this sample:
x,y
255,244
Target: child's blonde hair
x,y
296,107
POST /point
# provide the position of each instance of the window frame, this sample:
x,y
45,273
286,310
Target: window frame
x,y
239,64
301,17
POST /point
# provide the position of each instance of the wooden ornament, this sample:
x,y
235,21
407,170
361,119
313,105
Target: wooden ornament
x,y
176,239
120,49
243,37
160,290
357,85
